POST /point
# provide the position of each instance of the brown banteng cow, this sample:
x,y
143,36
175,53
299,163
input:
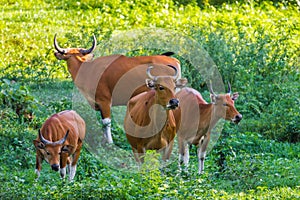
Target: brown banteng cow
x,y
59,142
110,80
149,122
198,118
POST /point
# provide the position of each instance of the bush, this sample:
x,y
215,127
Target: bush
x,y
260,63
18,98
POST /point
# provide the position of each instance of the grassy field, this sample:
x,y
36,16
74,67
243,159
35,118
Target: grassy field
x,y
254,46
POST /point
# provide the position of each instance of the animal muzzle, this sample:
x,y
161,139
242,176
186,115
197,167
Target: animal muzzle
x,y
55,167
237,118
58,55
173,104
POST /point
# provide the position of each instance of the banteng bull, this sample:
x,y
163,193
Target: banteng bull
x,y
149,122
198,118
110,80
59,142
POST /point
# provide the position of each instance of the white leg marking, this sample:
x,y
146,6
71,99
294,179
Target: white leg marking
x,y
37,172
72,172
166,152
63,172
201,158
186,156
107,130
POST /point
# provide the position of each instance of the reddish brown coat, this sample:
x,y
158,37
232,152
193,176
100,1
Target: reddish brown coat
x,y
111,80
59,155
198,118
149,122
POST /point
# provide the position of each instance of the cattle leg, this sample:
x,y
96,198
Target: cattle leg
x,y
139,154
72,171
63,164
136,155
106,120
62,172
69,165
74,162
107,130
202,151
38,165
167,151
184,155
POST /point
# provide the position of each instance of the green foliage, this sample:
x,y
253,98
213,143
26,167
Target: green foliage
x,y
256,48
259,61
17,97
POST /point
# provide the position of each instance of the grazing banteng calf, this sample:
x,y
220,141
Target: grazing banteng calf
x,y
149,122
198,118
59,142
110,80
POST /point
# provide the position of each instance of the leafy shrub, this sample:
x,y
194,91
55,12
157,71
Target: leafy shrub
x,y
260,63
18,98
281,120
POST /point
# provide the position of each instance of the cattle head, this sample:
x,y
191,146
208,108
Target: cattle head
x,y
224,105
165,88
51,151
79,54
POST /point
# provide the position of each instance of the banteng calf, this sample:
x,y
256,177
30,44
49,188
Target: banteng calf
x,y
59,142
198,118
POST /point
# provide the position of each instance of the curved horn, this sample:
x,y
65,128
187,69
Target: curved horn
x,y
176,72
211,90
87,51
149,74
43,140
229,88
62,140
59,49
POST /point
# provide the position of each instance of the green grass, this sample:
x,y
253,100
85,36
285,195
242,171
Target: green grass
x,y
264,170
255,47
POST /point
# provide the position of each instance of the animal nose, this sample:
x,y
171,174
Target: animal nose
x,y
238,118
173,103
55,167
57,55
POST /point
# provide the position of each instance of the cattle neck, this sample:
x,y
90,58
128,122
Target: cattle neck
x,y
209,112
74,64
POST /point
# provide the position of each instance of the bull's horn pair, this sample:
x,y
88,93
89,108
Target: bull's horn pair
x,y
154,77
212,91
83,51
59,142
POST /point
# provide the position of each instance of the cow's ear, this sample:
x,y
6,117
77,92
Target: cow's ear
x,y
150,83
38,144
235,96
67,149
181,82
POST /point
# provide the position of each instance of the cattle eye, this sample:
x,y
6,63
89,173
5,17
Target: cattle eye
x,y
161,87
47,153
225,104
